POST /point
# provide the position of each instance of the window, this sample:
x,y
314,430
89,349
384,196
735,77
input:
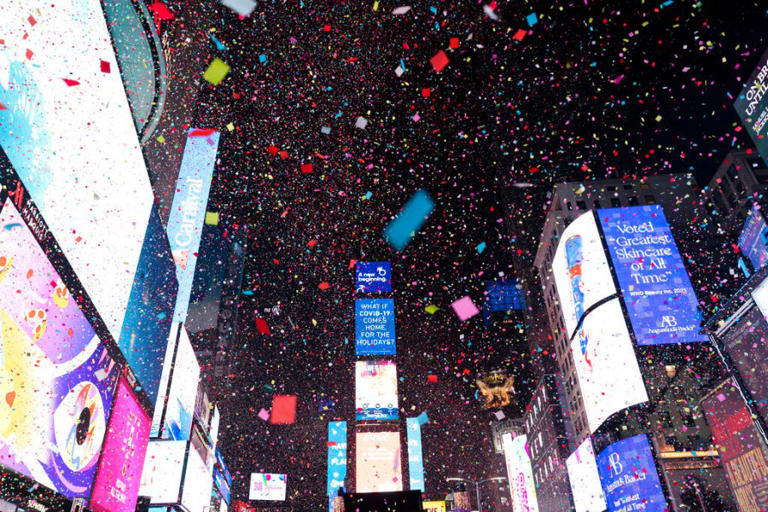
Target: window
x,y
731,172
581,205
650,199
754,163
611,188
632,200
596,204
615,202
627,187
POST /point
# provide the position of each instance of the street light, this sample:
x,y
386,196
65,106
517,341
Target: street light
x,y
477,485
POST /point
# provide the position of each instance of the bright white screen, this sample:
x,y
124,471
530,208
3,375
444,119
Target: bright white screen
x,y
74,145
376,390
585,481
760,296
184,382
267,486
520,474
161,477
378,465
198,482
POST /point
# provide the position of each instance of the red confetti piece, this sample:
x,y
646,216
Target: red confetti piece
x,y
324,285
306,168
70,83
105,67
30,53
519,35
32,21
272,150
439,61
453,42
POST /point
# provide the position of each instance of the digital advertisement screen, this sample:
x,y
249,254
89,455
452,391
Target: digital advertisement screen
x,y
629,478
185,376
198,481
68,131
752,108
520,473
375,390
378,465
122,459
373,276
581,271
434,506
163,467
56,377
165,377
586,489
375,327
608,373
660,300
415,457
222,479
337,456
740,446
751,241
147,324
267,487
185,224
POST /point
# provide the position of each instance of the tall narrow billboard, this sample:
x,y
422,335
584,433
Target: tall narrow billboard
x,y
629,477
66,127
56,377
185,224
752,106
588,495
657,291
378,465
415,456
185,377
337,456
163,471
376,390
752,242
375,327
522,487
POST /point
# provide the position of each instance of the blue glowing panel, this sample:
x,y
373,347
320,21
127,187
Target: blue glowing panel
x,y
752,238
415,459
373,276
657,291
375,327
337,456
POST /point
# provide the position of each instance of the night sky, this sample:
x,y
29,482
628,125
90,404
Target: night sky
x,y
591,90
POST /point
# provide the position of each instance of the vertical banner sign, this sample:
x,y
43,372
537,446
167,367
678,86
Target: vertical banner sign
x,y
337,458
657,291
415,460
629,477
752,106
185,224
375,327
740,446
522,486
373,276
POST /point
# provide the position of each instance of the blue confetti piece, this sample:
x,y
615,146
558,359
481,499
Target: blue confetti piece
x,y
219,45
368,195
263,58
423,418
532,19
9,227
247,292
480,247
415,212
161,316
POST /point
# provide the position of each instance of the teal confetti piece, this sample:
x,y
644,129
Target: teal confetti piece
x,y
401,230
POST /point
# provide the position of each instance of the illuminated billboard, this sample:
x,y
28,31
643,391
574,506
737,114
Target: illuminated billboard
x,y
741,448
629,477
520,473
56,377
163,469
378,465
147,323
752,241
337,456
267,487
116,487
609,376
198,481
415,456
222,479
185,376
657,291
587,491
185,225
68,130
752,107
165,376
373,276
375,327
375,390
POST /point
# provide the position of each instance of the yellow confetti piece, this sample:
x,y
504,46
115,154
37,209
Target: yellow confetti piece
x,y
431,309
230,126
212,218
216,71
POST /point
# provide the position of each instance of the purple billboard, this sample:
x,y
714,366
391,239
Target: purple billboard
x,y
56,378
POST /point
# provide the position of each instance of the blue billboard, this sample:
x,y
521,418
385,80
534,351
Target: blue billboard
x,y
222,479
185,224
415,459
373,276
337,457
657,291
147,323
629,477
752,240
375,327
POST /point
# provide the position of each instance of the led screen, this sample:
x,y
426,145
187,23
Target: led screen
x,y
581,271
629,478
185,225
375,327
378,466
67,129
373,276
520,474
163,466
165,376
267,487
147,324
185,376
222,479
587,492
198,481
415,458
752,108
122,459
740,446
657,291
751,242
609,376
375,390
337,456
55,375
